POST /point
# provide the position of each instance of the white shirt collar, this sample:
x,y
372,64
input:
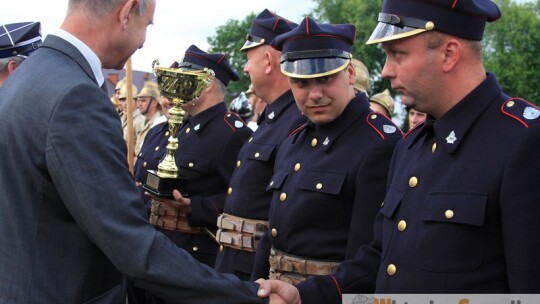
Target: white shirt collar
x,y
87,52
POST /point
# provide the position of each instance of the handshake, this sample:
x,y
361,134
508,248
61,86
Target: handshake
x,y
278,292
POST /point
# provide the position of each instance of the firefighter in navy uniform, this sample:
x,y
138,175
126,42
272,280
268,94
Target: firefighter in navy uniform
x,y
460,214
153,149
330,174
209,141
246,208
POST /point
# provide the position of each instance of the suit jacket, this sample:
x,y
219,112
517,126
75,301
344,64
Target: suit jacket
x,y
460,212
72,219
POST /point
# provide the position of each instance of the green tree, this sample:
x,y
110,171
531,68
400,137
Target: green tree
x,y
510,49
229,39
364,15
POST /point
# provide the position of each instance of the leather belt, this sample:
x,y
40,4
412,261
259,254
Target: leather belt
x,y
294,269
240,233
171,218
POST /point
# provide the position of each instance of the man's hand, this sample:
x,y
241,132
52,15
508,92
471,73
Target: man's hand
x,y
180,202
279,292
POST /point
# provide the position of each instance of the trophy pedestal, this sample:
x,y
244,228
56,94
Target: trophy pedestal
x,y
164,186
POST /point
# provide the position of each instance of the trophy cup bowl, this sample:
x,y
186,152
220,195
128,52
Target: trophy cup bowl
x,y
179,86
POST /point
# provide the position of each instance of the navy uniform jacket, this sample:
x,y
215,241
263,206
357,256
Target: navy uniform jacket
x,y
152,152
249,198
72,220
460,213
328,184
208,145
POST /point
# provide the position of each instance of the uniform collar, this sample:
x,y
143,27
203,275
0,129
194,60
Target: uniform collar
x,y
328,133
272,111
452,128
199,121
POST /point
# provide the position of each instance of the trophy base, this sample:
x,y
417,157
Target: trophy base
x,y
164,187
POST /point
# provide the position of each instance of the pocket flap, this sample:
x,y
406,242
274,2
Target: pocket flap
x,y
463,208
330,182
196,163
391,202
277,180
261,152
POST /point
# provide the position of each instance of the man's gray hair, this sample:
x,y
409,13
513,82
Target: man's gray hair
x,y
100,8
4,62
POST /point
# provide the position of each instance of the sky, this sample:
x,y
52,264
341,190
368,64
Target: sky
x,y
177,24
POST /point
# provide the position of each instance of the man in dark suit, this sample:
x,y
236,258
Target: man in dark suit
x,y
72,220
461,208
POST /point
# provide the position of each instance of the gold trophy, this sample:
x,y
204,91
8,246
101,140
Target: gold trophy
x,y
179,86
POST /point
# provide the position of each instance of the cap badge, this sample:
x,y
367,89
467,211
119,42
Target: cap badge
x,y
388,129
197,127
326,141
238,124
451,138
272,115
531,113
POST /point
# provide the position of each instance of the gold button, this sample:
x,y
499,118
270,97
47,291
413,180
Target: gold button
x,y
510,103
402,225
433,147
274,232
318,186
391,269
188,130
413,181
195,248
229,191
297,167
167,133
157,148
430,25
449,214
257,155
191,165
238,163
250,139
220,247
283,197
314,142
373,116
144,164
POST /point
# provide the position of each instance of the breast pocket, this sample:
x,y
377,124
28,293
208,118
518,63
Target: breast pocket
x,y
260,152
451,235
191,164
390,205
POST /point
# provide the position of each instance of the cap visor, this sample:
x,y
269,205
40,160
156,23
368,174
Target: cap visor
x,y
387,32
250,45
313,67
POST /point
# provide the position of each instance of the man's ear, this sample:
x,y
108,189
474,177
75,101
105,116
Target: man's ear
x,y
269,62
452,53
11,66
124,14
352,73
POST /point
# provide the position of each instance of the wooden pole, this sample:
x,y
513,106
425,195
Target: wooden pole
x,y
130,110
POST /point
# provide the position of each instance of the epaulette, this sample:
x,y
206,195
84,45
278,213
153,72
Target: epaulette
x,y
234,121
521,110
382,125
415,127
